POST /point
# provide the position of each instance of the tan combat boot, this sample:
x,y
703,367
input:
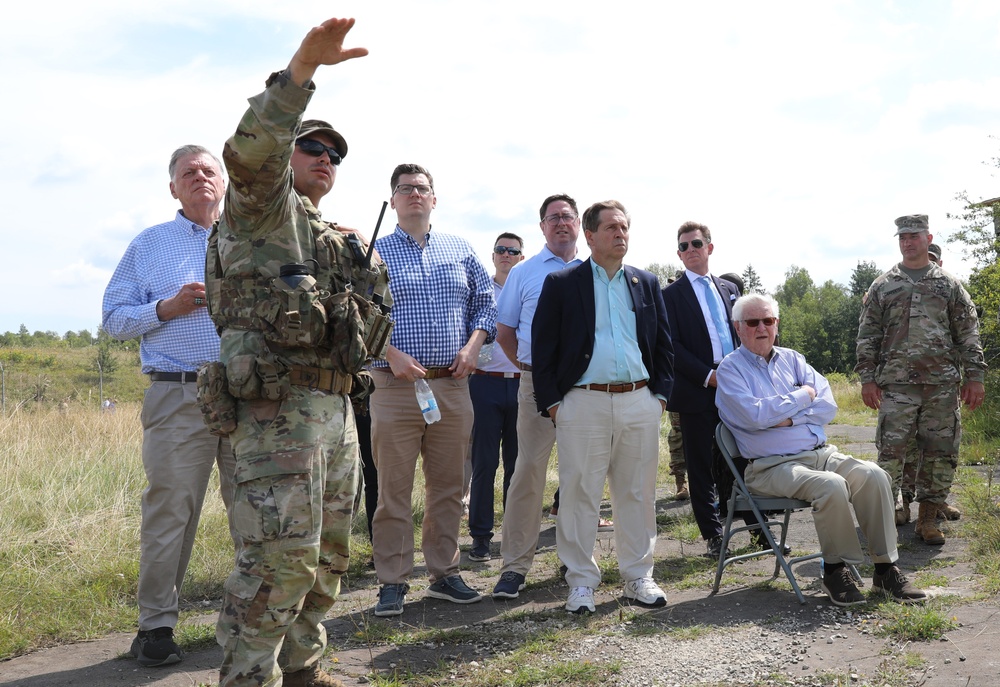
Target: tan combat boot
x,y
926,528
682,491
948,512
903,512
310,677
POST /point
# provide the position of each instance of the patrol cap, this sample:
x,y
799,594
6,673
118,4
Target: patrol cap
x,y
911,224
934,250
312,126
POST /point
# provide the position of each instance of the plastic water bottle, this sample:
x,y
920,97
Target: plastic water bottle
x,y
428,404
485,354
822,569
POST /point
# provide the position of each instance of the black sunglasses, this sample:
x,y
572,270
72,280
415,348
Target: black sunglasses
x,y
768,322
500,250
683,245
314,148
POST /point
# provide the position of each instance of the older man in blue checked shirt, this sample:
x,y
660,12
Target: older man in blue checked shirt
x,y
444,312
157,292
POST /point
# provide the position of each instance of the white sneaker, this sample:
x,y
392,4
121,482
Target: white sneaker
x,y
580,599
645,591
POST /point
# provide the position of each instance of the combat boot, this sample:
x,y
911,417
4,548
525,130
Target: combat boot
x,y
682,491
903,512
948,512
310,677
926,528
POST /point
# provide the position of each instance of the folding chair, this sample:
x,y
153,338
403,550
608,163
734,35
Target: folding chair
x,y
742,500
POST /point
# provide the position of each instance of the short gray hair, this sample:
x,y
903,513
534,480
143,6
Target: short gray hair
x,y
189,149
753,299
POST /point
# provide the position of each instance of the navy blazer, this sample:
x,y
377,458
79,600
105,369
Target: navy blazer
x,y
692,346
562,332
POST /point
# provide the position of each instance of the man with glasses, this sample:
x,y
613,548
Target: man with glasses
x,y
444,311
777,407
560,225
284,287
918,355
603,368
493,388
699,307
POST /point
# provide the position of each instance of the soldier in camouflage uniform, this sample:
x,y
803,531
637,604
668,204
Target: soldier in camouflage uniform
x,y
290,345
918,341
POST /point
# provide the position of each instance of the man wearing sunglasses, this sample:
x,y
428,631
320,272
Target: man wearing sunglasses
x,y
559,221
493,388
919,356
444,311
699,307
283,286
777,407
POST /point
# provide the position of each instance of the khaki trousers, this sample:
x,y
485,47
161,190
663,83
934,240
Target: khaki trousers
x,y
399,436
178,455
613,437
833,482
523,512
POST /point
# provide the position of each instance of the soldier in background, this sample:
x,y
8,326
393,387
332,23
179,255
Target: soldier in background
x,y
675,441
919,353
288,290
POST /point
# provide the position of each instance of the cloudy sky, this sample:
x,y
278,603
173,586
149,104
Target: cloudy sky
x,y
796,131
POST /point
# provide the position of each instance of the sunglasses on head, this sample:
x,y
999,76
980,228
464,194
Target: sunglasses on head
x,y
696,243
500,250
315,148
768,322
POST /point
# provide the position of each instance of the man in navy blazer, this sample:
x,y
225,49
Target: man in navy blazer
x,y
603,370
700,308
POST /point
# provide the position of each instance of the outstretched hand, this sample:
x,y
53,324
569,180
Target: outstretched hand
x,y
324,44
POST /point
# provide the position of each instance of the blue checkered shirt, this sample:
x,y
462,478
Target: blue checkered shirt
x,y
156,264
441,293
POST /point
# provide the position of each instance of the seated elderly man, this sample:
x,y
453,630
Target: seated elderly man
x,y
777,407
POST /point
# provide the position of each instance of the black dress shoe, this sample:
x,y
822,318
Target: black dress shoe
x,y
759,542
715,548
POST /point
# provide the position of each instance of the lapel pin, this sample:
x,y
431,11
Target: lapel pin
x,y
635,280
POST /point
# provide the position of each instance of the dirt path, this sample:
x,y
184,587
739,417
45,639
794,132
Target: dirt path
x,y
750,631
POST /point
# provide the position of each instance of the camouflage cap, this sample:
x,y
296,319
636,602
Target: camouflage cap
x,y
911,224
312,126
935,251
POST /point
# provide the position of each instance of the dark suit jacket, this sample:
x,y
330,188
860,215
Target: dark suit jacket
x,y
692,345
562,332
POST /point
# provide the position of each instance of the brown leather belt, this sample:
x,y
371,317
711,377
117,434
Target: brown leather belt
x,y
319,379
525,368
437,373
622,388
173,376
504,375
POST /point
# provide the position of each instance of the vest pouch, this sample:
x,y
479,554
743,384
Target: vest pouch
x,y
241,373
378,329
275,380
345,332
218,407
297,315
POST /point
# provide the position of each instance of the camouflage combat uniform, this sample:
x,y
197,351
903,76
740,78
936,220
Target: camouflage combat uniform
x,y
295,439
918,341
675,442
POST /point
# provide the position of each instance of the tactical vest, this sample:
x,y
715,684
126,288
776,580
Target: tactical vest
x,y
335,318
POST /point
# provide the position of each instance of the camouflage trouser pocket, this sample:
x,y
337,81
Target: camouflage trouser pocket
x,y
243,605
218,407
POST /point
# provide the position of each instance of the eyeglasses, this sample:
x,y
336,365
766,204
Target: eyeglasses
x,y
314,148
768,322
407,189
553,220
500,250
683,245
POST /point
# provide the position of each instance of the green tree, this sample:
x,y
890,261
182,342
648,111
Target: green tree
x,y
752,281
664,271
862,277
797,284
104,359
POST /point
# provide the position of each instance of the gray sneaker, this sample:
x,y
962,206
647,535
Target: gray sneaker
x,y
390,599
453,589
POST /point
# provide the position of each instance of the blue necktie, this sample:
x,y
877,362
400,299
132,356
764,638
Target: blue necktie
x,y
720,322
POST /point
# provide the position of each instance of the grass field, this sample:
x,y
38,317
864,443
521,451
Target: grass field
x,y
69,523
